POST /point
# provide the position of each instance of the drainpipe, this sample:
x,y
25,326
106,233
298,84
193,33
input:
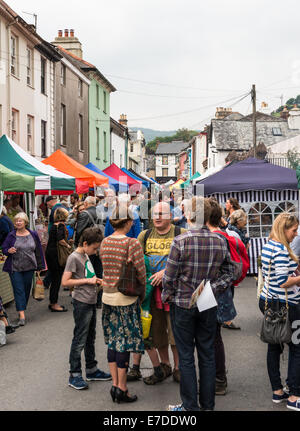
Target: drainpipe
x,y
8,78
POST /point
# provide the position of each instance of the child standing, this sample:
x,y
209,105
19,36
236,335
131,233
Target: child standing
x,y
79,274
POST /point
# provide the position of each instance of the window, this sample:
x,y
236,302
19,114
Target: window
x,y
165,172
104,102
15,125
30,134
13,55
113,156
105,149
276,131
80,88
63,125
131,147
121,160
97,96
62,74
284,206
98,142
80,133
43,75
164,160
43,138
29,66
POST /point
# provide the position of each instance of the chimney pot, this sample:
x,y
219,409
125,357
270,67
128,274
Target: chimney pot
x,y
66,32
72,33
60,33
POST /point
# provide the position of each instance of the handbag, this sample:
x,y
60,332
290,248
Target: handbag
x,y
146,318
128,283
38,292
63,252
276,327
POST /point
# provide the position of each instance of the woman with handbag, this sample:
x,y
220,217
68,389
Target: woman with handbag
x,y
57,251
25,255
281,295
124,280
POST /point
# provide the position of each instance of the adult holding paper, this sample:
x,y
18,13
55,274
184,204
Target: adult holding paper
x,y
197,255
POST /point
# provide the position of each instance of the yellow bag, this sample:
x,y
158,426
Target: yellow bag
x,y
146,323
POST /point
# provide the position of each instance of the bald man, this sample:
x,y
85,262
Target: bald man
x,y
156,243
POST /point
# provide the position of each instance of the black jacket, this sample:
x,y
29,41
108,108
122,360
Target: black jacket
x,y
85,219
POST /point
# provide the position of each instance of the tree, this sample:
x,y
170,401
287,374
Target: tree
x,y
294,158
181,134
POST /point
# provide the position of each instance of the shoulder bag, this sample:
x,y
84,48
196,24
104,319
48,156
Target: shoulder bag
x,y
128,283
63,252
276,327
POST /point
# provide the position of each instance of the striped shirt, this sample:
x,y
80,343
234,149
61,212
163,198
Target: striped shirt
x,y
282,267
196,255
113,253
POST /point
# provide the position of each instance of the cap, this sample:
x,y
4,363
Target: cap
x,y
50,198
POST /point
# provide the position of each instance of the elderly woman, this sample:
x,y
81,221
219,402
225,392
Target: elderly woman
x,y
121,317
25,255
236,226
58,235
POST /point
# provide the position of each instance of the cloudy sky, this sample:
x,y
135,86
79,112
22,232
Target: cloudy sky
x,y
173,61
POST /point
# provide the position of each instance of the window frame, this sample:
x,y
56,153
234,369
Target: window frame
x,y
15,125
80,88
29,67
43,138
30,134
163,162
98,143
63,72
63,125
43,75
80,133
163,172
14,55
104,146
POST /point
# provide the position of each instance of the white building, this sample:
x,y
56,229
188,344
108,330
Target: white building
x,y
27,93
137,152
118,143
166,160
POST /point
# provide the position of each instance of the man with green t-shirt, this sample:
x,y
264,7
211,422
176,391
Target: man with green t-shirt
x,y
156,243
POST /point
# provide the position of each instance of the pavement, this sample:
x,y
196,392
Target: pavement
x,y
34,365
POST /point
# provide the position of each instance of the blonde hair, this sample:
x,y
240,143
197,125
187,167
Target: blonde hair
x,y
283,222
237,215
22,216
61,214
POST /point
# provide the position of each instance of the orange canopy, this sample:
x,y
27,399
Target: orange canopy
x,y
63,163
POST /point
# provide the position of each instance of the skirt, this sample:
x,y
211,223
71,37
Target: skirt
x,y
122,328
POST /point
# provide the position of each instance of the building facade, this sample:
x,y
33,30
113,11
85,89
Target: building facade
x,y
27,91
98,99
118,143
167,160
137,152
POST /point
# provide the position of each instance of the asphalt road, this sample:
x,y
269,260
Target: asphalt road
x,y
34,365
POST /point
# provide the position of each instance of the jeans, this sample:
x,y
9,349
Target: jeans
x,y
274,352
21,283
220,354
192,328
84,338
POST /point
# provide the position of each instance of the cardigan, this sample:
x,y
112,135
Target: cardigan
x,y
10,242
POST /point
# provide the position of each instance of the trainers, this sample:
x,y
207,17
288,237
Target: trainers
x,y
221,386
98,376
78,383
279,398
286,389
167,369
133,375
176,408
295,405
176,376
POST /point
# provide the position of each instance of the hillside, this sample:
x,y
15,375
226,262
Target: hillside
x,y
151,134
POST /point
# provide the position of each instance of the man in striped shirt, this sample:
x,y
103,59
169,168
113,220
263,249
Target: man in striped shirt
x,y
195,256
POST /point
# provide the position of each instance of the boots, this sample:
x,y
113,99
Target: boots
x,y
221,386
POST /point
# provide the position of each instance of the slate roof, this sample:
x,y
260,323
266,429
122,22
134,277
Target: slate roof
x,y
238,134
174,147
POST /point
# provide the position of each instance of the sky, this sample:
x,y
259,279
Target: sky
x,y
173,61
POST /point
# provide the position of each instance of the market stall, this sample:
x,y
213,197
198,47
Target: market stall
x,y
135,177
11,182
115,172
117,185
263,190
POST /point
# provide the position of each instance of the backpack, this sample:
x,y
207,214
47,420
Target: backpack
x,y
239,257
177,231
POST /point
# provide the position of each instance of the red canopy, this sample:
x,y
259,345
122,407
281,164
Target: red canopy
x,y
116,173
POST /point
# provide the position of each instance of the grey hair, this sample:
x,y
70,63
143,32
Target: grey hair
x,y
90,200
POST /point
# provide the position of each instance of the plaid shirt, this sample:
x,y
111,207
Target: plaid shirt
x,y
196,255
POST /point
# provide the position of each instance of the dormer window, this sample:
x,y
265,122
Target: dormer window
x,y
276,131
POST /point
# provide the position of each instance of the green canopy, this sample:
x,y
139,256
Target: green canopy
x,y
187,182
13,182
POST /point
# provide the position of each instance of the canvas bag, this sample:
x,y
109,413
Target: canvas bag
x,y
38,292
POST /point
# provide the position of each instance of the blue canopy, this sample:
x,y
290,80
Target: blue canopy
x,y
118,186
250,174
145,183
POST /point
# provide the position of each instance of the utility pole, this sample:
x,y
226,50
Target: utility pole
x,y
253,96
35,18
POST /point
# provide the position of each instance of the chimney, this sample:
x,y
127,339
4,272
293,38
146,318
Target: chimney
x,y
221,113
294,118
123,120
284,113
69,42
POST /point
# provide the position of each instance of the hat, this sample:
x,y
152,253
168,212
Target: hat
x,y
50,198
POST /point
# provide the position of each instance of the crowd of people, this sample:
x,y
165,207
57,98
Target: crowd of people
x,y
163,253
